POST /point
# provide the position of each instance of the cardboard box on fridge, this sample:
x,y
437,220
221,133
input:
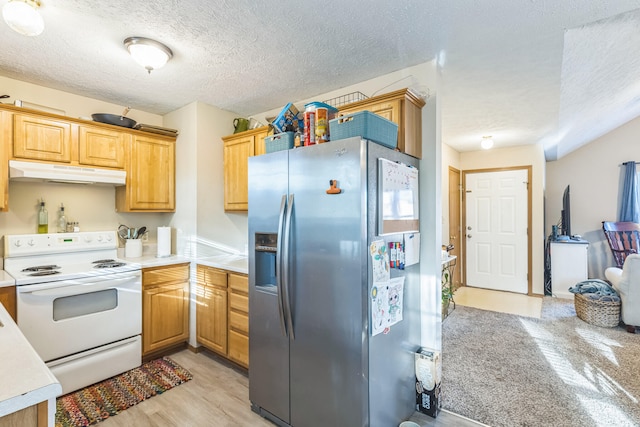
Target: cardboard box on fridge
x,y
428,377
287,119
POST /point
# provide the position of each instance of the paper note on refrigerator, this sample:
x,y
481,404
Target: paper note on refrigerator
x,y
387,301
411,248
380,261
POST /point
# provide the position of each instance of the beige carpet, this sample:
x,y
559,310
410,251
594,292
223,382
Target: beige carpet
x,y
502,302
514,371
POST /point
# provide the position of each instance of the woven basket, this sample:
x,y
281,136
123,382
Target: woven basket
x,y
598,313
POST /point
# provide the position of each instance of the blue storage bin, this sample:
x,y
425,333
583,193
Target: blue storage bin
x,y
367,125
278,142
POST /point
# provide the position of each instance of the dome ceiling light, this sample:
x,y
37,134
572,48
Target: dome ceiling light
x,y
487,142
147,52
22,16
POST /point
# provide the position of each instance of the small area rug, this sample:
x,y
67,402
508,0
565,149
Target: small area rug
x,y
506,370
97,402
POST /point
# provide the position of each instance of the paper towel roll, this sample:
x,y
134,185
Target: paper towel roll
x,y
164,241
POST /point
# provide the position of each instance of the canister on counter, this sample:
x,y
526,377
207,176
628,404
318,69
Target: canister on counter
x,y
316,122
322,125
309,124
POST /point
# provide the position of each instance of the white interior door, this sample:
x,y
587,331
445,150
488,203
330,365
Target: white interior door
x,y
496,230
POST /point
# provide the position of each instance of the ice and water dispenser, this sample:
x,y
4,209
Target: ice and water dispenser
x,y
265,257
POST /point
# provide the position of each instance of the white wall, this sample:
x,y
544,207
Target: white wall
x,y
73,105
594,173
226,228
450,157
527,155
413,77
184,221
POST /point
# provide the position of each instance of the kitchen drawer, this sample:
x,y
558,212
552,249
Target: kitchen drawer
x,y
239,321
159,275
239,302
239,283
239,348
213,277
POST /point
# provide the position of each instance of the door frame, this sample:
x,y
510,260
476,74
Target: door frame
x,y
457,273
463,224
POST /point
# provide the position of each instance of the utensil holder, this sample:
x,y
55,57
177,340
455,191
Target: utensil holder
x,y
133,248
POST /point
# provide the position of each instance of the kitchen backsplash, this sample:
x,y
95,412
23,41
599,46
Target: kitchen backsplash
x,y
91,206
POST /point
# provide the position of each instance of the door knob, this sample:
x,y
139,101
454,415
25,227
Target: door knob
x,y
469,228
468,236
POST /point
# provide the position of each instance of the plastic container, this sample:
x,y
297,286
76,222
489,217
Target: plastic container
x,y
279,141
133,248
316,122
367,125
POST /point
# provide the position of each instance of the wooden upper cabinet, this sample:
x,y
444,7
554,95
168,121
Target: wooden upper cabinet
x,y
101,147
41,138
237,150
402,107
5,153
151,173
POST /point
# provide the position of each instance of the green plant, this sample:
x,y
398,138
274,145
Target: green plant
x,y
447,291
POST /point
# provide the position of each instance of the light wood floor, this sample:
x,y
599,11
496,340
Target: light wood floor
x,y
218,396
504,302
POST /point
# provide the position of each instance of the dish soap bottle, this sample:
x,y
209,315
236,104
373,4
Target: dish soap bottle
x,y
62,220
43,219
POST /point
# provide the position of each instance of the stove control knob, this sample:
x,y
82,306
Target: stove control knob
x,y
31,242
17,243
87,239
109,237
99,237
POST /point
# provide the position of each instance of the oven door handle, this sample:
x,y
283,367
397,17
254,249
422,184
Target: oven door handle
x,y
55,290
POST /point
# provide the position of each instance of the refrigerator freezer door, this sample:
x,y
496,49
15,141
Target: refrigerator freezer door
x,y
268,342
328,285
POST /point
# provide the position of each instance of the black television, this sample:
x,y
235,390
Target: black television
x,y
565,220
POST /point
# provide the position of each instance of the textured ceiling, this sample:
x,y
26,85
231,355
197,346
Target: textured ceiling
x,y
525,71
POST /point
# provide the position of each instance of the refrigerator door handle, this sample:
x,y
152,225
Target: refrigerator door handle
x,y
283,207
286,256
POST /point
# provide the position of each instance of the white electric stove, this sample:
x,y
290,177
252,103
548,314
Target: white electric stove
x,y
79,306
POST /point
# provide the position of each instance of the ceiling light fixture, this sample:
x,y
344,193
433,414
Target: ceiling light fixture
x,y
23,17
487,142
148,53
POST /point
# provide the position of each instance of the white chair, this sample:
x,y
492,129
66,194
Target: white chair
x,y
626,282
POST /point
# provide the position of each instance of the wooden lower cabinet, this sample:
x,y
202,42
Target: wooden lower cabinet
x,y
8,300
211,318
239,318
165,307
32,416
222,313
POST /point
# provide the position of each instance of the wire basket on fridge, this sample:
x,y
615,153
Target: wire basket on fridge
x,y
346,99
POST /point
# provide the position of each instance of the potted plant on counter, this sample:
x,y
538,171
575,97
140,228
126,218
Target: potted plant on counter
x,y
447,291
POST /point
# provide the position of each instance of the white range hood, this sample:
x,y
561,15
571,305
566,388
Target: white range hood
x,y
47,172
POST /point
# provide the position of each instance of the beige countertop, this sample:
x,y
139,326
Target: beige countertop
x,y
230,262
6,279
237,263
26,380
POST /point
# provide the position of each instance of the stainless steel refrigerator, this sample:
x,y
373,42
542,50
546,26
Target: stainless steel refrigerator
x,y
312,358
